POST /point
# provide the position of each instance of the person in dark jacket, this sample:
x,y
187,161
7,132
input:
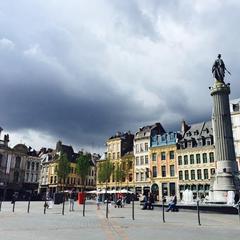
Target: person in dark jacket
x,y
72,199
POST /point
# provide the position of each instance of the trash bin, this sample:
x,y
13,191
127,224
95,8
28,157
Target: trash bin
x,y
81,196
58,198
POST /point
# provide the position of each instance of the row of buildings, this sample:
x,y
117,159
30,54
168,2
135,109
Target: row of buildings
x,y
151,159
29,172
168,163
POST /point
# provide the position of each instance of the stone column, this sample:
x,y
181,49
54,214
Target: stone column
x,y
226,165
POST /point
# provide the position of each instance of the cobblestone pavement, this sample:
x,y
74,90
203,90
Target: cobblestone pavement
x,y
21,225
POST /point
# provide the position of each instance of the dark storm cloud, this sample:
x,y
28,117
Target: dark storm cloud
x,y
80,72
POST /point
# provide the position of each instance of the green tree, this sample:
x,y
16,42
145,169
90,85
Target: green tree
x,y
120,174
83,168
63,168
63,171
104,173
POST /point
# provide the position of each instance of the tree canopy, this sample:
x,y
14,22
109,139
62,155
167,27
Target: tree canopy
x,y
105,171
63,168
83,166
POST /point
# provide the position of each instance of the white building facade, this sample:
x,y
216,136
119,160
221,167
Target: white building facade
x,y
235,117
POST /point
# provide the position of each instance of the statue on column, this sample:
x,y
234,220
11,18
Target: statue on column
x,y
218,69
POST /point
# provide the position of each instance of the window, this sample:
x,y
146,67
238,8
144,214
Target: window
x,y
189,144
235,107
1,157
37,166
146,146
130,177
142,176
154,171
205,173
51,179
179,160
185,159
142,160
192,174
18,162
199,174
186,175
137,176
55,179
146,159
16,176
191,159
198,158
118,155
171,154
28,165
141,147
211,157
163,171
137,148
180,175
113,155
36,179
154,157
212,171
208,141
204,156
172,170
163,155
27,177
137,161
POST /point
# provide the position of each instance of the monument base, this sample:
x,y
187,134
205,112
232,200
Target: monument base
x,y
222,184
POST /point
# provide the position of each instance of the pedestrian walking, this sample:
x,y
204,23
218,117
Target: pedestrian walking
x,y
98,201
72,199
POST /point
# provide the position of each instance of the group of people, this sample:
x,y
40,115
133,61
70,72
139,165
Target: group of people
x,y
148,201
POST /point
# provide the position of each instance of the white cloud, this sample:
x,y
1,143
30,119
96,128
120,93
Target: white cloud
x,y
6,44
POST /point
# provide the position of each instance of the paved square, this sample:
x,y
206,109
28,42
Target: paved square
x,y
147,224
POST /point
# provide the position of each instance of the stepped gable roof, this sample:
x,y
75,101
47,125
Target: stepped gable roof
x,y
198,130
146,130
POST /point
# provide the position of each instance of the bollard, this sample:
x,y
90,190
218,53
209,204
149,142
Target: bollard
x,y
239,210
28,209
199,222
13,209
163,214
63,206
44,207
107,208
133,207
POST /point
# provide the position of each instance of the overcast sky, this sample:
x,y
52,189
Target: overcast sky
x,y
81,70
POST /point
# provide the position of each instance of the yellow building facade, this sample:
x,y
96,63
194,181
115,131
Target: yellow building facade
x,y
119,152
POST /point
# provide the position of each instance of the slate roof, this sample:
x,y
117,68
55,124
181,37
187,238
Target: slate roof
x,y
146,130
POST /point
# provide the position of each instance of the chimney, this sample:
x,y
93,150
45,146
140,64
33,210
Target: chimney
x,y
6,139
184,127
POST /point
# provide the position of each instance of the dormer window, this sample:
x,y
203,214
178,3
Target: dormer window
x,y
196,132
189,144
